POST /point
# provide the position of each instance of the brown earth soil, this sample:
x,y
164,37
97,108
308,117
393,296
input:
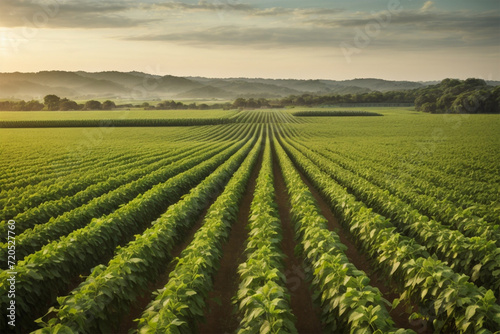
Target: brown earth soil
x,y
220,315
307,318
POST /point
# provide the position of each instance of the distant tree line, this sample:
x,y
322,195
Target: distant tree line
x,y
471,96
449,96
32,105
173,105
311,100
55,103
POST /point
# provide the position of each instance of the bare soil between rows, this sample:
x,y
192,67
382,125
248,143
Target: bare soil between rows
x,y
363,262
301,303
220,312
220,315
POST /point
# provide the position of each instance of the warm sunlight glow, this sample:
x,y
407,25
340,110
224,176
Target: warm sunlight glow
x,y
10,44
338,40
3,42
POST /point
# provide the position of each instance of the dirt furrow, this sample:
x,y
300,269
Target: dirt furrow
x,y
362,262
220,314
301,302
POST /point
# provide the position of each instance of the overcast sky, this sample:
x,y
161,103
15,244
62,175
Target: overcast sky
x,y
390,39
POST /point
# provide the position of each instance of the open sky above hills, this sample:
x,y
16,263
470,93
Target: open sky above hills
x,y
391,39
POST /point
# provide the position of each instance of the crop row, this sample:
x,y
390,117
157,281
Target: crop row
x,y
451,202
99,302
180,304
114,123
435,171
348,302
57,263
269,117
53,208
35,238
210,133
17,175
475,256
262,298
480,166
28,178
18,200
232,131
335,113
67,162
446,299
443,210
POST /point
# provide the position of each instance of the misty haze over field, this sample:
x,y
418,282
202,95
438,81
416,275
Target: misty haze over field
x,y
137,85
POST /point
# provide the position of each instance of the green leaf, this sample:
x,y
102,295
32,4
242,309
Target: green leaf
x,y
395,303
177,322
265,328
395,267
355,316
135,260
475,272
470,311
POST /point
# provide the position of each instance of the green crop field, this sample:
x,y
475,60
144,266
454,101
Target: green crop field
x,y
264,223
111,114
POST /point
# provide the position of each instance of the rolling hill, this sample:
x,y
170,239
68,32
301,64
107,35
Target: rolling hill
x,y
142,86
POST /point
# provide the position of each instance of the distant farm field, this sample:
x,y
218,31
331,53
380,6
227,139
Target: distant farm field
x,y
271,223
112,114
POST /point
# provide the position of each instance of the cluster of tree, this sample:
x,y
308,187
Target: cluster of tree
x,y
55,103
309,100
32,105
372,97
173,105
449,96
252,103
471,96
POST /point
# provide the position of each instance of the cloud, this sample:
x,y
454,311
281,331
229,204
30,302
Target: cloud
x,y
273,27
70,14
203,6
424,24
246,9
408,30
278,11
428,5
274,11
93,14
254,37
